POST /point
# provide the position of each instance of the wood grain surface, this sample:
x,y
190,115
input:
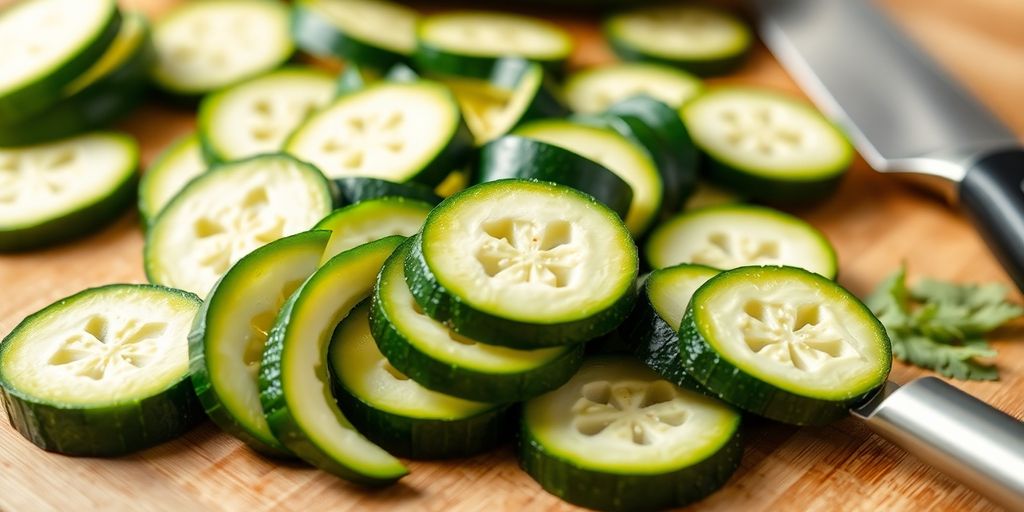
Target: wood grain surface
x,y
875,222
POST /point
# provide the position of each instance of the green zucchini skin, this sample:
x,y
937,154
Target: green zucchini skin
x,y
439,61
513,156
314,34
352,190
699,67
782,191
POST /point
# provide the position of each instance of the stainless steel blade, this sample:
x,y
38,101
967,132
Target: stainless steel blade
x,y
902,111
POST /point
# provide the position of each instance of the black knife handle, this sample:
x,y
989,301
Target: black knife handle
x,y
992,193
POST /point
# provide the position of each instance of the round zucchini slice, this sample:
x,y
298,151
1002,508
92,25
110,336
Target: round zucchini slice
x,y
699,39
176,165
371,220
58,191
518,157
256,116
730,236
356,189
374,33
766,145
594,90
784,343
46,44
204,46
439,359
400,415
230,332
524,264
393,131
467,43
618,437
103,372
225,213
614,151
295,383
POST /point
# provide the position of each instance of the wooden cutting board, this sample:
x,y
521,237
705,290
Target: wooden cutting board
x,y
875,222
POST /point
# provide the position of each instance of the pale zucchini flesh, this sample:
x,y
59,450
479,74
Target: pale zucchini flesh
x,y
592,91
170,172
371,220
489,34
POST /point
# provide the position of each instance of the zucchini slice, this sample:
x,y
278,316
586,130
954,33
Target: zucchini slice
x,y
468,43
593,90
518,157
225,213
176,165
46,44
699,39
767,145
230,332
61,190
654,325
110,88
204,46
103,372
374,33
439,359
730,236
614,151
617,437
393,131
524,264
256,116
356,189
400,415
784,343
295,384
371,220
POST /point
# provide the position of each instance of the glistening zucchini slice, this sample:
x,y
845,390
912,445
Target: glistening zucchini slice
x,y
784,343
203,46
103,372
394,131
370,220
767,145
375,33
357,189
176,165
402,416
295,384
439,359
592,91
617,437
525,264
61,190
256,116
225,213
230,332
730,236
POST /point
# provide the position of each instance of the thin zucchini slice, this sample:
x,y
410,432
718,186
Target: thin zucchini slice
x,y
225,213
400,415
730,236
103,372
176,165
354,190
46,44
766,145
256,116
61,190
699,39
230,332
467,43
375,33
617,437
204,46
110,88
654,325
437,358
393,131
371,220
518,157
592,91
295,384
784,343
619,154
524,264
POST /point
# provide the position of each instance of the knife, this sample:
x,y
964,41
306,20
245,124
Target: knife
x,y
922,122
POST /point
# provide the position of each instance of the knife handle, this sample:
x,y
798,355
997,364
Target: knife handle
x,y
992,193
958,434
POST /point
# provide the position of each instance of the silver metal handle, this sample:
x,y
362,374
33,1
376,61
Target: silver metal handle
x,y
958,434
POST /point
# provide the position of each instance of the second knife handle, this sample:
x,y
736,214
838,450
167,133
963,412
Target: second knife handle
x,y
992,192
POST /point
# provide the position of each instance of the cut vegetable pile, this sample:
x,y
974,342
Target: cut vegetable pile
x,y
409,259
